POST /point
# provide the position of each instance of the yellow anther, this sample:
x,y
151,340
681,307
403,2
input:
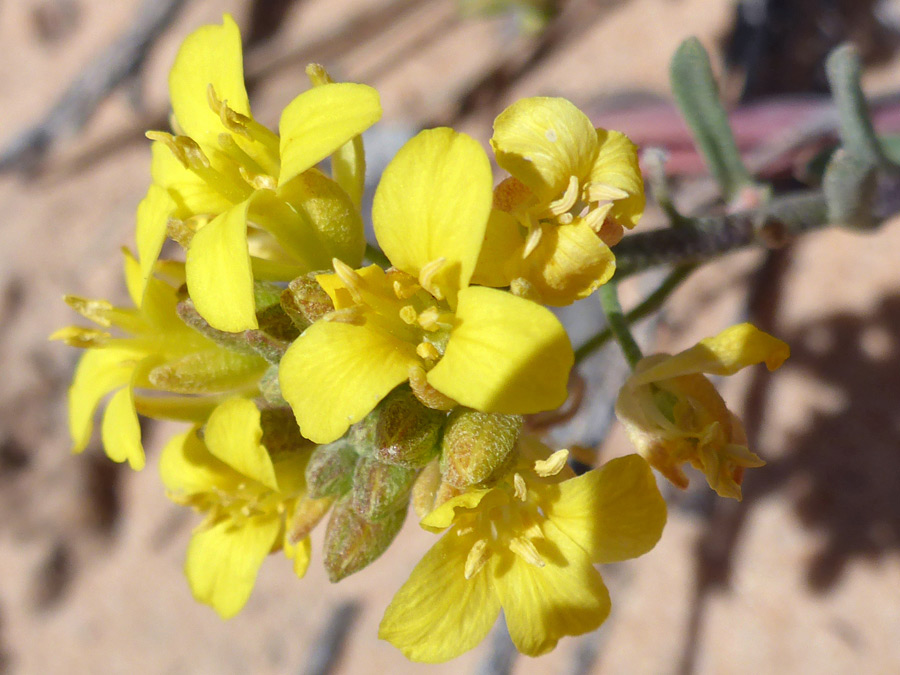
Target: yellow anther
x,y
427,277
523,548
259,181
430,318
522,288
318,75
479,554
408,314
184,148
98,311
600,192
596,217
552,465
428,351
568,199
565,218
352,315
532,241
463,531
351,278
405,289
231,120
520,487
76,336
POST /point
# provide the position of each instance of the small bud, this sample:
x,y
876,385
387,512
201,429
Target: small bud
x,y
352,542
362,434
270,388
307,514
407,433
305,302
477,446
379,488
233,341
330,470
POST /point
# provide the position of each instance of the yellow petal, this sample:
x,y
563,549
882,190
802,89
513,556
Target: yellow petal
x,y
725,354
223,561
190,193
121,430
152,216
438,614
134,281
187,467
321,120
98,372
543,604
233,435
617,166
569,264
508,355
219,276
543,141
614,513
336,373
433,202
501,252
299,553
209,55
330,212
444,515
195,409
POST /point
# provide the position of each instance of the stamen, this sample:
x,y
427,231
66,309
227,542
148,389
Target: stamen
x,y
352,280
568,199
520,487
408,314
404,291
463,531
552,465
428,319
596,217
532,241
428,351
478,556
523,548
98,311
259,181
601,192
427,277
352,315
84,338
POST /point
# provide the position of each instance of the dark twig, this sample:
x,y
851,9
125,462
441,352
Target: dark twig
x,y
107,71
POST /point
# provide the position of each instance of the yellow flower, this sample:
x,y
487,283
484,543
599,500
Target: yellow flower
x,y
246,494
528,546
224,172
158,352
572,191
480,347
673,414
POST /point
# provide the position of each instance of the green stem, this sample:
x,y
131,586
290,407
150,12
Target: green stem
x,y
647,307
618,324
376,256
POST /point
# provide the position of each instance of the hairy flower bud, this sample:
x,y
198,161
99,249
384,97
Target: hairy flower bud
x,y
330,470
477,446
407,432
352,542
304,301
379,488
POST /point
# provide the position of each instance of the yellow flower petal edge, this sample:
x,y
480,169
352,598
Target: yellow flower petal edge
x,y
322,119
725,354
211,55
433,202
507,355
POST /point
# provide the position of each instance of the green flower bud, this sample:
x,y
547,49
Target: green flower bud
x,y
407,432
329,472
270,315
305,302
379,488
270,388
281,435
307,514
352,542
477,446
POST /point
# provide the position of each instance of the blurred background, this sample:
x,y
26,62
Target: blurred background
x,y
803,576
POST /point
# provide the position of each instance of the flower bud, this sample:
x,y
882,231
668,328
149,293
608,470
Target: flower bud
x,y
477,446
379,488
305,302
329,472
281,435
270,388
407,432
352,542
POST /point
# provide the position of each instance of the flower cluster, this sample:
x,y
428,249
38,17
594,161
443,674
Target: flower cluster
x,y
319,389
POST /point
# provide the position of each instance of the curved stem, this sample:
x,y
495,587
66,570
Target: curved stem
x,y
618,325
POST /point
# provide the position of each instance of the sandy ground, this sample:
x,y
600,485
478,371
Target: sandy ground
x,y
803,576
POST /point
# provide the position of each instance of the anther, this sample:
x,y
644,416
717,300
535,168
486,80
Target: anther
x,y
478,556
408,314
600,192
520,487
523,548
428,351
427,277
532,241
552,465
351,278
568,199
